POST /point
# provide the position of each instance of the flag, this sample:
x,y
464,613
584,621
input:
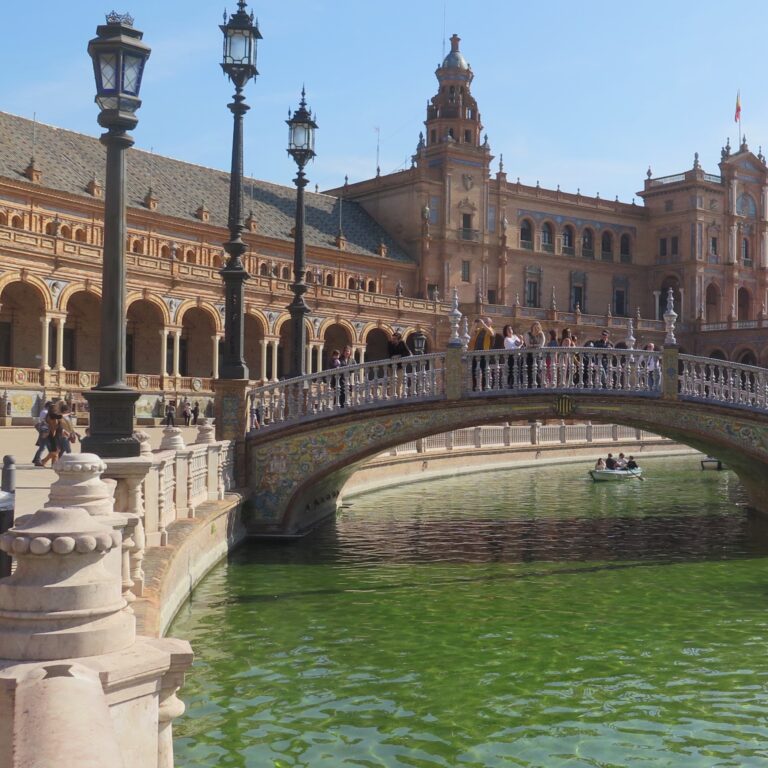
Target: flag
x,y
737,115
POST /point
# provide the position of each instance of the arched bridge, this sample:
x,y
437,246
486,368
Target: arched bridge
x,y
310,434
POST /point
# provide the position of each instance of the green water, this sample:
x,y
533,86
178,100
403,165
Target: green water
x,y
519,618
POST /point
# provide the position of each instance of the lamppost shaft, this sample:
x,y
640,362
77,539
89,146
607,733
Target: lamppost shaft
x,y
234,273
112,350
298,307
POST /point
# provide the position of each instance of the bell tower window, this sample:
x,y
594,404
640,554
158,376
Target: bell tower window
x,y
467,137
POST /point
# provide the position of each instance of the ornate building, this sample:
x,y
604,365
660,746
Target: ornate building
x,y
383,254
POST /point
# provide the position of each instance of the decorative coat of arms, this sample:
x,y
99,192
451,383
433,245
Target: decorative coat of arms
x,y
468,181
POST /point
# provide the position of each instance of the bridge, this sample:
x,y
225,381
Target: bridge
x,y
308,435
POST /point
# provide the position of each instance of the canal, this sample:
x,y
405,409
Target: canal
x,y
514,618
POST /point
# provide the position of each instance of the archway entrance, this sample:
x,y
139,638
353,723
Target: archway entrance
x,y
143,343
713,302
336,337
21,310
195,345
744,305
82,333
376,345
254,334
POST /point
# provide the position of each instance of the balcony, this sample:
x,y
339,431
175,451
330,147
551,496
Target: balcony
x,y
569,250
588,253
526,244
473,235
548,247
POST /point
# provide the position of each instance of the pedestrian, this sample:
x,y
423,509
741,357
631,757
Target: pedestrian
x,y
170,414
481,341
56,435
195,412
186,412
396,347
534,341
651,366
41,427
604,342
512,342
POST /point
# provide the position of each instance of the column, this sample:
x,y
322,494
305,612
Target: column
x,y
656,295
176,343
163,351
308,360
361,350
46,323
59,321
263,360
680,315
274,343
215,351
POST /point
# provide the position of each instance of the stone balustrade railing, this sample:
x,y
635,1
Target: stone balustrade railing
x,y
499,436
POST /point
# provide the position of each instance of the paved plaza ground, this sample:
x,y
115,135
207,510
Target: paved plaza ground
x,y
32,483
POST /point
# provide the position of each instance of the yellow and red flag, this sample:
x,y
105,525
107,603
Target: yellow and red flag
x,y
737,115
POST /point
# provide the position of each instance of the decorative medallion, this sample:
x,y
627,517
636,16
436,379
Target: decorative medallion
x,y
143,382
467,181
20,376
84,380
197,384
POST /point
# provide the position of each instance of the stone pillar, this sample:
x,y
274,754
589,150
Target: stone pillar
x,y
59,323
176,355
232,419
215,355
46,323
275,343
656,296
453,373
669,362
163,351
263,359
206,432
308,359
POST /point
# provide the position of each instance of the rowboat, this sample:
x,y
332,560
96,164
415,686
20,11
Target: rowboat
x,y
712,463
612,475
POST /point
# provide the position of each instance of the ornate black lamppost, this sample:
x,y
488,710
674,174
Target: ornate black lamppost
x,y
118,64
240,36
419,341
301,147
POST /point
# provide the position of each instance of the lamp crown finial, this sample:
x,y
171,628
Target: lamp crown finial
x,y
113,17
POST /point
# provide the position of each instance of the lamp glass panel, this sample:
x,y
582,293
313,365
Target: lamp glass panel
x,y
108,69
299,136
238,48
108,102
132,67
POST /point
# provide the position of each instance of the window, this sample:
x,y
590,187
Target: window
x,y
286,273
713,246
491,218
431,291
606,247
531,293
434,209
669,205
5,343
492,296
673,245
625,249
526,235
467,137
433,136
465,271
745,255
568,249
588,244
663,247
619,302
547,238
577,298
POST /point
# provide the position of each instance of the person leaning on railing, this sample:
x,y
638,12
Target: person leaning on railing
x,y
482,340
398,349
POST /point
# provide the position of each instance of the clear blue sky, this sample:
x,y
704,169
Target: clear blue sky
x,y
585,95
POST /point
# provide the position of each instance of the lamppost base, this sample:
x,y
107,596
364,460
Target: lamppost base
x,y
111,423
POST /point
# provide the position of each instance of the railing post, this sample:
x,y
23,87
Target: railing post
x,y
453,373
8,483
449,441
562,431
669,363
478,437
535,426
507,432
419,445
589,432
615,433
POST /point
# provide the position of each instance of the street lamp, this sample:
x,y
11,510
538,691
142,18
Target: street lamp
x,y
118,64
419,340
301,147
239,64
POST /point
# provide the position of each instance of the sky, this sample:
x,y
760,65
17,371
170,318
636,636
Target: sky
x,y
585,94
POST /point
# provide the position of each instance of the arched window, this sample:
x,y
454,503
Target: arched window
x,y
351,283
264,269
568,240
588,244
745,206
190,256
606,247
165,252
50,228
3,220
625,249
746,256
329,281
309,277
286,273
547,238
17,223
371,286
137,247
80,235
218,262
526,235
66,232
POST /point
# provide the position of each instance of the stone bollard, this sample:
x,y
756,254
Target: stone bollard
x,y
8,482
60,578
145,447
172,440
206,431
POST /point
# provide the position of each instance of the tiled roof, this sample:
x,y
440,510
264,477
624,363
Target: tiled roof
x,y
68,161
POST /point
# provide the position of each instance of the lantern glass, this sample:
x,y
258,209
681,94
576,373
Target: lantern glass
x,y
299,136
108,72
133,67
238,47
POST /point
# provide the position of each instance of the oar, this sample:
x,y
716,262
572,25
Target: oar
x,y
639,477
